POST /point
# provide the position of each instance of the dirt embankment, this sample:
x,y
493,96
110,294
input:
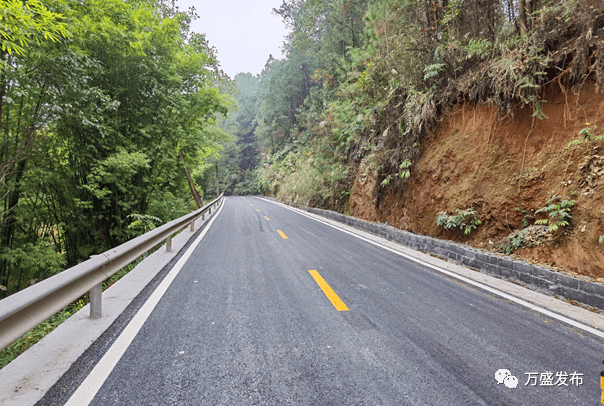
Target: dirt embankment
x,y
506,169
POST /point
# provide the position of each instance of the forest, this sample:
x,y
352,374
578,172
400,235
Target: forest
x,y
366,113
116,118
372,77
105,104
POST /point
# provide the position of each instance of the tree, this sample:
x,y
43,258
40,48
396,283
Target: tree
x,y
96,129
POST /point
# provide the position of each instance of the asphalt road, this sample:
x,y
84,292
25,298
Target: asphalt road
x,y
246,323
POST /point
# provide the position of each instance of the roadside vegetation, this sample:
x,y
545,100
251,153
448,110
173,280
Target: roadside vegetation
x,y
105,105
364,81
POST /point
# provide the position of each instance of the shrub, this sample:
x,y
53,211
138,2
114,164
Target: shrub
x,y
559,213
466,220
516,241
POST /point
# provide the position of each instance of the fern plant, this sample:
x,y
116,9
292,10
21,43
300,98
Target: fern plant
x,y
559,213
466,220
433,70
143,222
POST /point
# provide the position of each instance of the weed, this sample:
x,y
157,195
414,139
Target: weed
x,y
405,169
601,239
386,181
573,143
585,133
516,241
526,215
559,213
433,70
466,220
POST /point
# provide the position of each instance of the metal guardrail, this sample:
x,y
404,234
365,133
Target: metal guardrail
x,y
29,307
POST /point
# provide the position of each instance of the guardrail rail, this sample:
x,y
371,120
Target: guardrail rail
x,y
26,309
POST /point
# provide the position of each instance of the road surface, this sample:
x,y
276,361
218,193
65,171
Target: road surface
x,y
274,308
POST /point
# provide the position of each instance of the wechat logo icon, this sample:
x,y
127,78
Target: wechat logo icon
x,y
505,377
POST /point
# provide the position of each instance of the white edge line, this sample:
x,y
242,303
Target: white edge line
x,y
457,276
99,374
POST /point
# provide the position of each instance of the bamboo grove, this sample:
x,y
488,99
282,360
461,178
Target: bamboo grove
x,y
103,103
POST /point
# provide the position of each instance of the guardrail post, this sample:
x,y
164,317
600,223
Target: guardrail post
x,y
193,225
210,210
96,302
203,215
169,243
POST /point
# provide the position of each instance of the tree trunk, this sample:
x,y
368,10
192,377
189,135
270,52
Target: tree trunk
x,y
9,225
531,8
190,180
523,26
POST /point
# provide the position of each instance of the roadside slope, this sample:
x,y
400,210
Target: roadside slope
x,y
506,169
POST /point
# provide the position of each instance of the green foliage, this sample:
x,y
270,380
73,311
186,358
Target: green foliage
x,y
479,47
559,213
386,180
143,222
601,239
35,261
97,100
526,215
573,143
22,22
585,133
405,170
515,241
433,70
465,220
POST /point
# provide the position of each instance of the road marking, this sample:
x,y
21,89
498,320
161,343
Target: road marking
x,y
282,235
257,210
507,296
331,295
99,374
267,218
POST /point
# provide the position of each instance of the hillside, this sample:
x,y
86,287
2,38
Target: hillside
x,y
412,111
506,168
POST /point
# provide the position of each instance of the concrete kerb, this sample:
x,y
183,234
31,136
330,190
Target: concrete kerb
x,y
533,277
26,379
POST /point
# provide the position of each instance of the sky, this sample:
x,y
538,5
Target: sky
x,y
244,32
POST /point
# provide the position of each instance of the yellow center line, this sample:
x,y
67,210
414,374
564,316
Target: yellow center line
x,y
331,295
267,218
282,235
257,210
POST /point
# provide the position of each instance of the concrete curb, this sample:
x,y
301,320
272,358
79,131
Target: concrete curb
x,y
534,277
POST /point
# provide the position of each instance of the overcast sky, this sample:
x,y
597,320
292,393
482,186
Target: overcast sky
x,y
245,32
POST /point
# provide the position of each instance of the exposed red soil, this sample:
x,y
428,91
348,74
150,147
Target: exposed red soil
x,y
495,165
